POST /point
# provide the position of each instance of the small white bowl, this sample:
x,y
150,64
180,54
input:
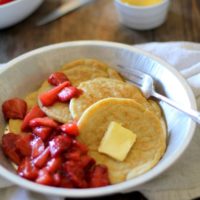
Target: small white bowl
x,y
16,11
142,17
26,72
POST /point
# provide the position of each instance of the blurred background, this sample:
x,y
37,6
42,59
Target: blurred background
x,y
97,21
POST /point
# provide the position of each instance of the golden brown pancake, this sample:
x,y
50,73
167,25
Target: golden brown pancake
x,y
58,111
77,72
150,144
31,100
100,88
86,69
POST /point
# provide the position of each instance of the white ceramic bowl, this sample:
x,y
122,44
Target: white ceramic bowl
x,y
142,17
16,11
25,73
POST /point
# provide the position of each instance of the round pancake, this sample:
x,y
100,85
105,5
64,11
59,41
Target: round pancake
x,y
58,111
86,69
31,100
77,72
100,88
150,143
154,107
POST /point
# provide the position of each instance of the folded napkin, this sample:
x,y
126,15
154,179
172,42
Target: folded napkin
x,y
180,182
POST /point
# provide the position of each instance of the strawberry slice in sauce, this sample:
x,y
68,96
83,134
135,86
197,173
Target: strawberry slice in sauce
x,y
23,144
57,78
14,109
99,176
63,180
42,159
27,170
79,146
70,129
87,162
50,97
33,113
44,178
9,147
42,132
43,121
68,93
54,164
76,174
59,145
37,147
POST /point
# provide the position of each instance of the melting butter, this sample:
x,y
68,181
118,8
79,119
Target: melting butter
x,y
117,141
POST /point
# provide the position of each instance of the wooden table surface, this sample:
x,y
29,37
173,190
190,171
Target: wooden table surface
x,y
98,21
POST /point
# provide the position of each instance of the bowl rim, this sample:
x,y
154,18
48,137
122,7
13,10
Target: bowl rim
x,y
10,3
157,5
6,5
117,188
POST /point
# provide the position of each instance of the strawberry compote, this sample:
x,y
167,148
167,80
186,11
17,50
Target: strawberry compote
x,y
46,151
50,154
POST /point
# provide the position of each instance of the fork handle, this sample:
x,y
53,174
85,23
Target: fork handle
x,y
190,112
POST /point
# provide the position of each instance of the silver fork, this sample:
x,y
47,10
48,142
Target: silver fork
x,y
146,83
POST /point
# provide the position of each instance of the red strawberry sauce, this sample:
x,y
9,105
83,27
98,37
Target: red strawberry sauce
x,y
48,152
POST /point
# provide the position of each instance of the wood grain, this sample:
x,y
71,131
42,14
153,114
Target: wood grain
x,y
98,21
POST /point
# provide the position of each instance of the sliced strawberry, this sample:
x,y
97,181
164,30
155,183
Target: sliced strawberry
x,y
65,181
43,121
42,159
80,146
9,147
59,145
34,113
99,176
70,129
57,78
42,132
87,162
37,147
23,144
45,178
68,93
50,97
27,170
73,154
14,109
57,179
54,164
76,174
54,133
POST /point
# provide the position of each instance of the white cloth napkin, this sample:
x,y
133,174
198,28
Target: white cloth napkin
x,y
180,182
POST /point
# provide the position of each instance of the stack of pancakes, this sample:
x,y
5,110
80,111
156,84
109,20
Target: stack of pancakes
x,y
107,97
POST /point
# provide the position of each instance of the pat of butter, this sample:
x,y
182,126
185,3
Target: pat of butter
x,y
117,141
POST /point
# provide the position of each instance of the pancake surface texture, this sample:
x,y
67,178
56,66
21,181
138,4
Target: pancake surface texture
x,y
86,69
100,88
150,144
58,111
31,100
77,72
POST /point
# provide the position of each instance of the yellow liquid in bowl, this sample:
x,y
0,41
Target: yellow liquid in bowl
x,y
142,2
